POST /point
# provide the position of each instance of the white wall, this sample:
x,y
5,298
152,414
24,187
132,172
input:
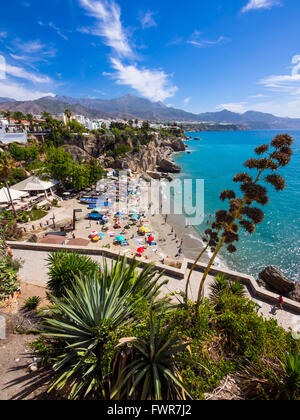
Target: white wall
x,y
7,138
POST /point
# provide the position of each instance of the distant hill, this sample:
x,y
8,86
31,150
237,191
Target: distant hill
x,y
252,119
130,106
52,105
7,100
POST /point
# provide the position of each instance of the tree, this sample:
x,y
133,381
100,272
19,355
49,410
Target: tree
x,y
68,115
96,171
225,228
7,166
46,115
145,126
7,115
30,119
80,177
18,116
58,164
76,127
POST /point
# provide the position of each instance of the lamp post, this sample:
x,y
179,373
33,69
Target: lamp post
x,y
53,220
74,217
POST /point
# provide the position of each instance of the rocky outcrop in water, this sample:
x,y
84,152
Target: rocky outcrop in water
x,y
167,165
275,281
296,292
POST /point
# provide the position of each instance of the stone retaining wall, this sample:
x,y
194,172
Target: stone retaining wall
x,y
245,279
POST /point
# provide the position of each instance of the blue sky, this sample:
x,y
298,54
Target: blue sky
x,y
196,55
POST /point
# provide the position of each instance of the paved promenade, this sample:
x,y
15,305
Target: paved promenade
x,y
34,271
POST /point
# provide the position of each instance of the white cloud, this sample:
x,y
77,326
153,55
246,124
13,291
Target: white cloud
x,y
55,28
287,83
58,31
153,84
260,4
202,43
238,107
147,20
259,95
31,46
31,51
108,15
24,74
3,34
20,92
283,95
187,101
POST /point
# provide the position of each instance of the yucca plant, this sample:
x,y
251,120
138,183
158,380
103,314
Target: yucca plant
x,y
222,285
88,320
291,368
153,373
145,283
63,267
31,303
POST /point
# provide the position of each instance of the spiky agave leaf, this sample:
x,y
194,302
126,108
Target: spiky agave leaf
x,y
153,374
84,320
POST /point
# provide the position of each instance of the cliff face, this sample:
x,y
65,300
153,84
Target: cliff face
x,y
154,156
88,146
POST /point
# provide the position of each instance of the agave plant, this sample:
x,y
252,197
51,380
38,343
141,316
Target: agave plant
x,y
153,374
143,282
86,321
222,285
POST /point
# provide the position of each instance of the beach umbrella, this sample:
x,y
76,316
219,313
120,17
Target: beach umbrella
x,y
120,238
94,233
134,216
145,229
140,250
150,239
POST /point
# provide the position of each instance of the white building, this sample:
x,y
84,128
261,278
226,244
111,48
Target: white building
x,y
34,185
9,134
61,117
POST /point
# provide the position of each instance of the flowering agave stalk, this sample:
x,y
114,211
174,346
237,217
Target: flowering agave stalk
x,y
242,213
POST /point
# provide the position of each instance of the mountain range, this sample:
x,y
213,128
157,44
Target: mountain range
x,y
131,107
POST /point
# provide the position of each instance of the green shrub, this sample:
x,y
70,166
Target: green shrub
x,y
31,303
8,279
63,267
23,217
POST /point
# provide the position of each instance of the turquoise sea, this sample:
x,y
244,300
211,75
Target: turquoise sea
x,y
216,158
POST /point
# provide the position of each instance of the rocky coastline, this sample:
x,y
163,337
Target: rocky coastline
x,y
152,160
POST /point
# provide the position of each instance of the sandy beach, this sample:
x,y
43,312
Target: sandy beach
x,y
173,238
